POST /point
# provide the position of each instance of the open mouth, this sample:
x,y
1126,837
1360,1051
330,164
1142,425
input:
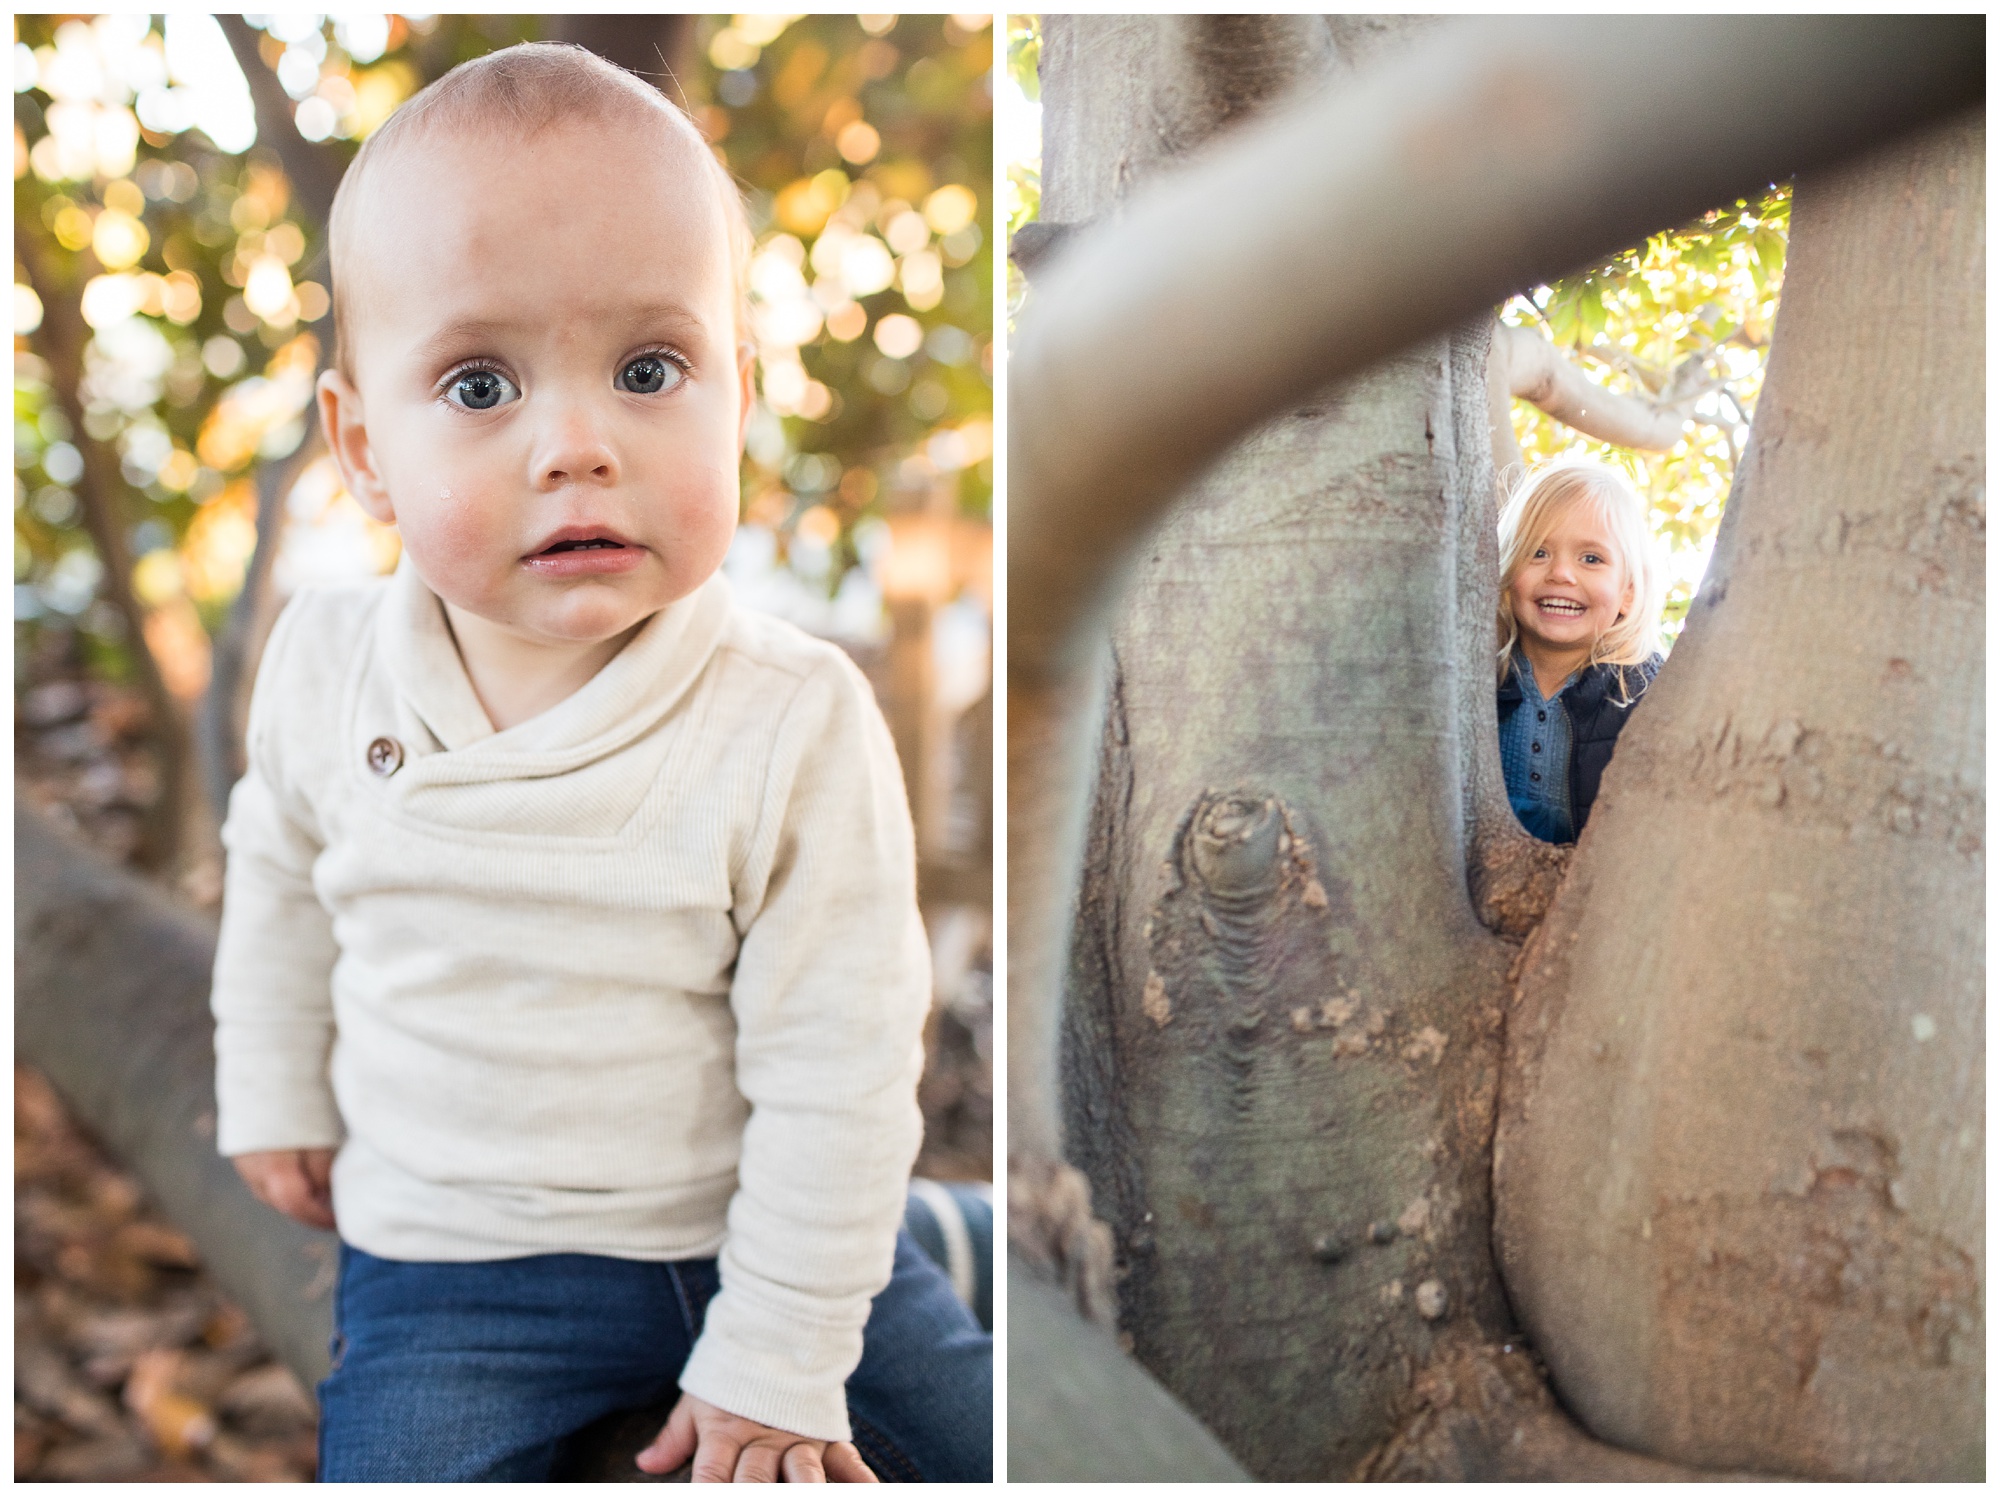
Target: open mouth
x,y
1565,606
577,551
596,543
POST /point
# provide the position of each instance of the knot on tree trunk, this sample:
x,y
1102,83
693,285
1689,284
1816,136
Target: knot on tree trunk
x,y
1246,914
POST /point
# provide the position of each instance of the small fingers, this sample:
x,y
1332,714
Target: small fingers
x,y
673,1444
299,1201
715,1458
843,1462
802,1463
758,1461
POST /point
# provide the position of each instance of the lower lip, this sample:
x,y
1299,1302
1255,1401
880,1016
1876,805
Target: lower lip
x,y
600,561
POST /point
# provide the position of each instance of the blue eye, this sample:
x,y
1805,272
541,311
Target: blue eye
x,y
649,374
481,390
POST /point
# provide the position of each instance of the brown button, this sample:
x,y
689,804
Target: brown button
x,y
385,756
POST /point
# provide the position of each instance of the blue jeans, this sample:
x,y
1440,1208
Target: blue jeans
x,y
479,1371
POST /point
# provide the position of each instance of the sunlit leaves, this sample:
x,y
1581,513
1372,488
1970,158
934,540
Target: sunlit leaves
x,y
866,142
1683,319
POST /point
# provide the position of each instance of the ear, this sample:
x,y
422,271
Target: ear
x,y
346,429
746,371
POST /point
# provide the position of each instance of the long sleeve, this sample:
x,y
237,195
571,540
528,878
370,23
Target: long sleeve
x,y
830,992
272,995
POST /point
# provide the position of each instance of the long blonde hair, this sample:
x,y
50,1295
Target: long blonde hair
x,y
1528,517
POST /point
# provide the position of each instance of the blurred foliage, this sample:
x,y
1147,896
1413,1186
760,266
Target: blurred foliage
x,y
1683,319
865,147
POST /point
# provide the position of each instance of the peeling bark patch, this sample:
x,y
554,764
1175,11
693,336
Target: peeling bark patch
x,y
1432,1299
1863,786
1854,1280
1427,1044
1416,1216
1514,880
1155,1001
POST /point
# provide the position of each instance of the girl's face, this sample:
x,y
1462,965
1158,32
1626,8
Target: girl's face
x,y
1573,586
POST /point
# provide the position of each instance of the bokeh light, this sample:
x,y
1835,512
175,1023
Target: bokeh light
x,y
199,282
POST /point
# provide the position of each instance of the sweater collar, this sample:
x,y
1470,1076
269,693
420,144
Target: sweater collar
x,y
633,690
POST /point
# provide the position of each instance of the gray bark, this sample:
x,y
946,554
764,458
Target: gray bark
x,y
1278,977
1309,247
111,1004
1284,998
1741,1169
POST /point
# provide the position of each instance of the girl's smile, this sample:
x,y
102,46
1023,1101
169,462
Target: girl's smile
x,y
1569,591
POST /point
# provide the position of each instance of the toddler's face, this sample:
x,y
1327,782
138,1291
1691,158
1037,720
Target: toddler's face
x,y
549,397
1573,586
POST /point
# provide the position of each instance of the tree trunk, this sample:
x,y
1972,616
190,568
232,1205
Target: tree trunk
x,y
1282,1018
1741,1167
1278,979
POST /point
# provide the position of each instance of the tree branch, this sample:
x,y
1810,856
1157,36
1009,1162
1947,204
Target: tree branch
x,y
1537,372
111,1004
219,716
314,170
62,338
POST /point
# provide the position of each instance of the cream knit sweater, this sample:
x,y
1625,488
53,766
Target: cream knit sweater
x,y
642,976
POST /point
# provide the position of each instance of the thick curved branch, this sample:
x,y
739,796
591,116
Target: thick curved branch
x,y
111,1004
1536,371
1309,246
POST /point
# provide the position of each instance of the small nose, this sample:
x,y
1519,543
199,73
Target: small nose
x,y
574,450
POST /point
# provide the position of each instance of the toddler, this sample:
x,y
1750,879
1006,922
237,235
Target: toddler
x,y
1579,620
570,963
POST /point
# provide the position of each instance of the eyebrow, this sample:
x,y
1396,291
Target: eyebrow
x,y
453,336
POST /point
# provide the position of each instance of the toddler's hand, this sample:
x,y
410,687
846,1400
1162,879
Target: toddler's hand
x,y
726,1448
297,1182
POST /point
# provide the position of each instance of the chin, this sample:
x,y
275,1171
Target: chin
x,y
595,621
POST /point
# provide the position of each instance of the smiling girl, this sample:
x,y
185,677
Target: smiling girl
x,y
1578,630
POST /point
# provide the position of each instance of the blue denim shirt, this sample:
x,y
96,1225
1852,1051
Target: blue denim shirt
x,y
1534,756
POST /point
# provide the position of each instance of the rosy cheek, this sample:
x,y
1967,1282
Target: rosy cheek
x,y
453,542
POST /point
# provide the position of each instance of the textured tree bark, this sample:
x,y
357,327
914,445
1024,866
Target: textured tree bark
x,y
1741,1169
1326,240
1283,1013
1241,856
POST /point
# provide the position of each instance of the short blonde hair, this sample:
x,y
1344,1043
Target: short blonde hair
x,y
527,88
1531,513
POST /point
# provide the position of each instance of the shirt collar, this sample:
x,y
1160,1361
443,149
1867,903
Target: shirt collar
x,y
623,699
